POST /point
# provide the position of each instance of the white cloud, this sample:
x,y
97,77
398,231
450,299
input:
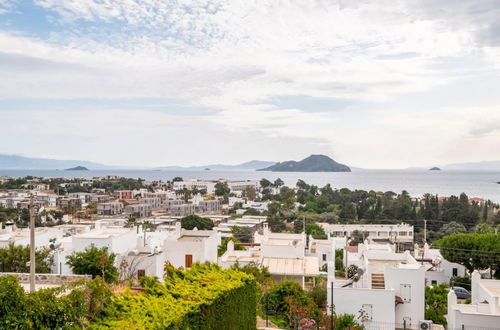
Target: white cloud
x,y
236,56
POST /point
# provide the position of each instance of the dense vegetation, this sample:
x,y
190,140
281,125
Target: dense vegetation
x,y
194,221
436,303
51,308
94,261
204,297
473,250
444,216
15,258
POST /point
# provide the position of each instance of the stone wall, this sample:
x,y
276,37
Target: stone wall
x,y
49,278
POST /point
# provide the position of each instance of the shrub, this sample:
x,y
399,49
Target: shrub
x,y
203,297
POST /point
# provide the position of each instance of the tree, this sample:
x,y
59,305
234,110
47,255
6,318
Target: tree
x,y
474,251
278,183
177,179
315,231
265,183
249,193
96,262
357,237
194,221
243,234
222,248
222,189
452,228
282,304
15,258
436,303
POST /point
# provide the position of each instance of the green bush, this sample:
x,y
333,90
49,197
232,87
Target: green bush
x,y
50,308
204,297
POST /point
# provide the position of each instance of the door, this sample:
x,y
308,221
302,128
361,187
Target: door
x,y
141,273
188,260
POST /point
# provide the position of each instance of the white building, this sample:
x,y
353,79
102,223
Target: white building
x,y
484,310
138,210
111,208
324,249
388,295
438,269
184,247
209,206
400,233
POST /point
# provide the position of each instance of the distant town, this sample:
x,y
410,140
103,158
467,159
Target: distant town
x,y
375,256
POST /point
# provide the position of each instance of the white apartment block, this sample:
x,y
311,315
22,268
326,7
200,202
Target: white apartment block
x,y
111,208
209,206
154,202
182,210
400,233
138,210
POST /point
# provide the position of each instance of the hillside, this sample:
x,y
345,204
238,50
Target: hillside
x,y
15,162
251,165
313,163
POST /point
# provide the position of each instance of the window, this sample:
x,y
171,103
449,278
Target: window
x,y
402,233
324,257
188,260
405,291
434,282
141,273
455,271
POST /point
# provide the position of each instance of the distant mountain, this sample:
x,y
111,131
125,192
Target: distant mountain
x,y
313,163
476,166
77,168
14,162
435,168
247,166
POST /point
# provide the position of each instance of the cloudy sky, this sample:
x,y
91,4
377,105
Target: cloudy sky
x,y
374,84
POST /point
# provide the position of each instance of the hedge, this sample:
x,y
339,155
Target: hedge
x,y
204,297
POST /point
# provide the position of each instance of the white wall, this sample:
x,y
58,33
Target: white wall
x,y
351,301
414,308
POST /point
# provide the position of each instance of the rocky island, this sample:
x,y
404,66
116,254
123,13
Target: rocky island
x,y
435,169
313,163
77,168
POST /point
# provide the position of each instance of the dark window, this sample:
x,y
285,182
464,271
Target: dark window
x,y
324,257
141,273
434,282
455,271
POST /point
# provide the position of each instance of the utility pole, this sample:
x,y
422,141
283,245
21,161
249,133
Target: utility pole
x,y
331,305
32,246
425,231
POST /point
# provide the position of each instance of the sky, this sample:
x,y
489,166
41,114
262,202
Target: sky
x,y
372,84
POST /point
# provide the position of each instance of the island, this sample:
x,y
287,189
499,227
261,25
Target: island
x,y
313,163
435,169
77,168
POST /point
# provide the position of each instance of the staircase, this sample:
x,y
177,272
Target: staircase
x,y
378,281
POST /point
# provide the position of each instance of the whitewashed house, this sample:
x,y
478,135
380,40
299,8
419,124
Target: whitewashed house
x,y
438,269
388,295
484,310
184,247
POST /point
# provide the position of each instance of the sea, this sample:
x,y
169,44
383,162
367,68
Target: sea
x,y
483,184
